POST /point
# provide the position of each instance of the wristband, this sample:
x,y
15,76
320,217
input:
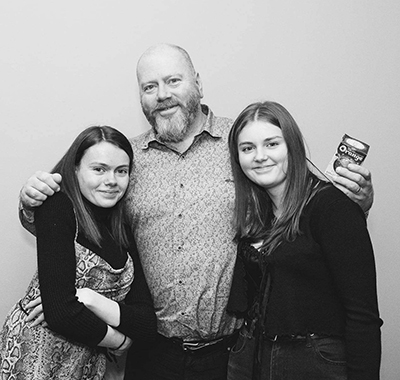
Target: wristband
x,y
116,349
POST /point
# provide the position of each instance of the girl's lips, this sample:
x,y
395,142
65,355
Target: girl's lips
x,y
263,168
109,193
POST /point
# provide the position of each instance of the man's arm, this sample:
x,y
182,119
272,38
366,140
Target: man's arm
x,y
38,187
35,191
355,181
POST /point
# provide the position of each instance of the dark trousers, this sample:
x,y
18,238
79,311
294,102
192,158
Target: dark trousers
x,y
168,361
312,358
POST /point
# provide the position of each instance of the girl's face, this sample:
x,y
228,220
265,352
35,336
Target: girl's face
x,y
103,174
263,155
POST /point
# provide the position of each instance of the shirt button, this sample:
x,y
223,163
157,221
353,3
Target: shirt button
x,y
179,215
181,185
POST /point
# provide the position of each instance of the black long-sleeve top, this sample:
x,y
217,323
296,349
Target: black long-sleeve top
x,y
323,282
55,224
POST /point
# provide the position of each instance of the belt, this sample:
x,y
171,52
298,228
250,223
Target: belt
x,y
202,346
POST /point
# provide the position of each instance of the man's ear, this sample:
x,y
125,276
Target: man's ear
x,y
199,85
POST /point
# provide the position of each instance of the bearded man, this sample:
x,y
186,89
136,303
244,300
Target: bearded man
x,y
180,206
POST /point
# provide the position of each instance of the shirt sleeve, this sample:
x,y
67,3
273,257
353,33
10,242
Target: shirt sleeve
x,y
138,319
346,244
27,218
55,233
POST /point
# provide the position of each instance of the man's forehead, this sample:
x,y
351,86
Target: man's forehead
x,y
159,65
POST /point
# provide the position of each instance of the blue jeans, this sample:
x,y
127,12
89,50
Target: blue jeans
x,y
312,358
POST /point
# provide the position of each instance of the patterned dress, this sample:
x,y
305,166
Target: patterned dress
x,y
38,353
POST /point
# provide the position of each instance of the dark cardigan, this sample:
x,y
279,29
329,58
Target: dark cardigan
x,y
323,282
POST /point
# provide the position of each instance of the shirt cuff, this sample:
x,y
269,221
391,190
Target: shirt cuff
x,y
27,215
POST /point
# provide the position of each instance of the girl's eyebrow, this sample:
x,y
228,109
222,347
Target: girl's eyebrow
x,y
122,166
267,139
245,143
98,163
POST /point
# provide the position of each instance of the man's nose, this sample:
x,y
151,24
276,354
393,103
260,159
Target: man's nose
x,y
163,93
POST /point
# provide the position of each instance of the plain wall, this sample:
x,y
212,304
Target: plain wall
x,y
334,64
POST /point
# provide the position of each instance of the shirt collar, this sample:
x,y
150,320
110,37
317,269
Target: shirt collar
x,y
150,137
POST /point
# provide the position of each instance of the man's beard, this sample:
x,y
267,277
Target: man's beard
x,y
175,128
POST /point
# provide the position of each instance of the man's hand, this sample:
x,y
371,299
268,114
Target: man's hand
x,y
355,182
35,310
38,187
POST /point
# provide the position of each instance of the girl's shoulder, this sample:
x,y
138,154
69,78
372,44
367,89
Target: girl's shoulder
x,y
327,192
58,205
328,197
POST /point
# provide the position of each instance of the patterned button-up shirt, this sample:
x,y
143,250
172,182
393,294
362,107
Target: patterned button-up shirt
x,y
181,208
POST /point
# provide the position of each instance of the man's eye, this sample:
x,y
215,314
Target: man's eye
x,y
149,88
99,170
174,81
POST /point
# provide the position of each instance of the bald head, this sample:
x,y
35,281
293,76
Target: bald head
x,y
161,53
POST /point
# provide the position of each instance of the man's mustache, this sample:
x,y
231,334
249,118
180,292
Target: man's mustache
x,y
165,104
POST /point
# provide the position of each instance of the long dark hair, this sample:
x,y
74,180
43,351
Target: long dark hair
x,y
253,206
70,185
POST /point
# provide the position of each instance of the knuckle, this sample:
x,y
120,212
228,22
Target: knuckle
x,y
38,176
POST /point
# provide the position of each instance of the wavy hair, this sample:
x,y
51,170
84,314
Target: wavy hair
x,y
70,185
253,207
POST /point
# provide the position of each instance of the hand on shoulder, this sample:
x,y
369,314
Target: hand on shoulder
x,y
38,187
355,181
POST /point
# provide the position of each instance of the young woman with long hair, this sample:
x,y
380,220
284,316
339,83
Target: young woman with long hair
x,y
89,278
305,278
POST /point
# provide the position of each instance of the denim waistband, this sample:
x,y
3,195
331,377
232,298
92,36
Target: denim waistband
x,y
275,338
